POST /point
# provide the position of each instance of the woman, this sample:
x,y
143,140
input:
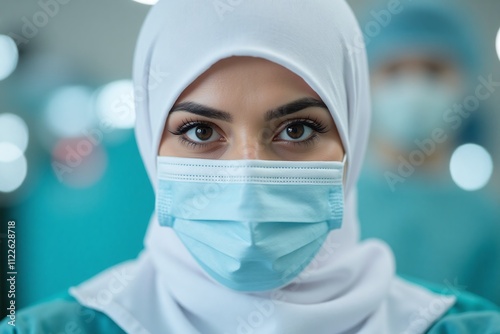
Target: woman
x,y
253,144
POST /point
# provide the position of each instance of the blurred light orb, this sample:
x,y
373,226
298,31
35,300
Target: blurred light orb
x,y
147,2
498,43
9,56
69,111
13,130
13,167
9,152
115,104
471,167
79,162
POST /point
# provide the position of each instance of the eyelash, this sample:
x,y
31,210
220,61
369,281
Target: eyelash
x,y
316,125
185,127
311,122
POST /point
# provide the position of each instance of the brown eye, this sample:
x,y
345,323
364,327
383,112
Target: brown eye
x,y
295,131
202,133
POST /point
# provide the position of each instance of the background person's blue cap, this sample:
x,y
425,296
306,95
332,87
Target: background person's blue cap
x,y
422,29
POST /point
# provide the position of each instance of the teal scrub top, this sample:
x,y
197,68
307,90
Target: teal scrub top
x,y
437,231
470,314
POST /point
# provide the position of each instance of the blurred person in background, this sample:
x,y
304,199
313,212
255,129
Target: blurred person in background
x,y
424,63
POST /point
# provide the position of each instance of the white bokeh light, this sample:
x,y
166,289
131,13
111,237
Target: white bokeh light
x,y
9,56
9,152
471,167
69,111
14,130
498,43
13,167
115,104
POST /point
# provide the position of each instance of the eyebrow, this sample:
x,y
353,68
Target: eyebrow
x,y
278,112
201,110
294,107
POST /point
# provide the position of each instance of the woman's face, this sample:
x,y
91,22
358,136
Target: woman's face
x,y
250,108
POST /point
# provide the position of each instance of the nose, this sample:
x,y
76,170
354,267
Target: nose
x,y
248,151
248,146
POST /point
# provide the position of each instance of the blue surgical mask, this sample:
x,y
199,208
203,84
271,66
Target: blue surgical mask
x,y
409,109
252,225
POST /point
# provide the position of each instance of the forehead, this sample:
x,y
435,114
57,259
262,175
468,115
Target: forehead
x,y
240,76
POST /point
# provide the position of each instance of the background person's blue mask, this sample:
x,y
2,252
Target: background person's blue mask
x,y
252,225
410,109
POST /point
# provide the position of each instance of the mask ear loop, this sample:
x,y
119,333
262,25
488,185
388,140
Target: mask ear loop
x,y
337,200
344,173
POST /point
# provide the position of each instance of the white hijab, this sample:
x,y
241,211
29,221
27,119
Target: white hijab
x,y
350,287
